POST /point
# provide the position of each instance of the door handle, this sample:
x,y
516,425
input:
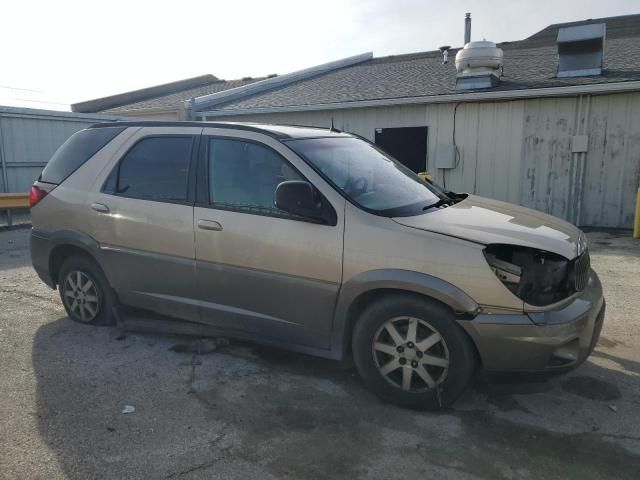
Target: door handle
x,y
100,207
209,225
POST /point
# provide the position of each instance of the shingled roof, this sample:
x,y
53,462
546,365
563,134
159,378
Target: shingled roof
x,y
528,64
176,100
168,96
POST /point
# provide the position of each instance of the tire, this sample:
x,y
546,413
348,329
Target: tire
x,y
441,349
93,301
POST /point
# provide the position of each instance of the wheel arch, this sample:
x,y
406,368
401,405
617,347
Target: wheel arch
x,y
357,293
67,243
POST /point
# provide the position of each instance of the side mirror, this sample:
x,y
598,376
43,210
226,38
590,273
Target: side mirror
x,y
299,198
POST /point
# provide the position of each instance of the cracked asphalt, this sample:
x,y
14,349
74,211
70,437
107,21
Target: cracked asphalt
x,y
246,412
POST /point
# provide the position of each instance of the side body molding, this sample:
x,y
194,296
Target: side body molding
x,y
76,238
392,279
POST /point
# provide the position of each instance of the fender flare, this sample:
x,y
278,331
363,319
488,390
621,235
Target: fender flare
x,y
73,238
393,279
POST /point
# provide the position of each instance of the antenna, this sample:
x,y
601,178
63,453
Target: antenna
x,y
332,128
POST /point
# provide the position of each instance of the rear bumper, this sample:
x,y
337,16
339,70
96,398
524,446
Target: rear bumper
x,y
558,339
40,246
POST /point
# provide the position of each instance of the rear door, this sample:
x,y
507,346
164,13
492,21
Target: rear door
x,y
141,213
259,270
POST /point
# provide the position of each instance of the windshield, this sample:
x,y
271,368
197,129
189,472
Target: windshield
x,y
369,177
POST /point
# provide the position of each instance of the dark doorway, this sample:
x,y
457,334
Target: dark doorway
x,y
407,145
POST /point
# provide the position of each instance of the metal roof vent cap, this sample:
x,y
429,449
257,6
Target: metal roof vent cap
x,y
479,65
581,50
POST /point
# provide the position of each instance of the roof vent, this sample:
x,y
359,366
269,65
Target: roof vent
x,y
479,65
580,50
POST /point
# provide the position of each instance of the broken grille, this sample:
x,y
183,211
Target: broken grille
x,y
582,267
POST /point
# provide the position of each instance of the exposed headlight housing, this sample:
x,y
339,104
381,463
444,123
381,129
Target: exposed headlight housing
x,y
537,277
583,244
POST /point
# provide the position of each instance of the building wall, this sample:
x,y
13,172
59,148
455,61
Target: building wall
x,y
520,151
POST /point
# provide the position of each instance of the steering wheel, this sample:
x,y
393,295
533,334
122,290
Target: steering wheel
x,y
356,186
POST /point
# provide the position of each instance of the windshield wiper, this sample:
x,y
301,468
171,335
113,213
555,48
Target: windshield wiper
x,y
439,203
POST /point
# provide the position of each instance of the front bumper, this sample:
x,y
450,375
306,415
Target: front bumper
x,y
557,339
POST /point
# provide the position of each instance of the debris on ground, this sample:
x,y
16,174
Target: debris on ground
x,y
613,408
201,345
128,409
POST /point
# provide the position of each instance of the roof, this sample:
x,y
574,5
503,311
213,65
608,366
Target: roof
x,y
168,96
104,103
528,64
282,132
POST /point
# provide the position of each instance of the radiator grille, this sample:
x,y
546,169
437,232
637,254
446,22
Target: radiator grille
x,y
582,267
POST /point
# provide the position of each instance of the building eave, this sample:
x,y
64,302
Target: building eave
x,y
572,90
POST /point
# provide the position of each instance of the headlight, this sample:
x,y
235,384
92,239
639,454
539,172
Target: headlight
x,y
536,276
583,244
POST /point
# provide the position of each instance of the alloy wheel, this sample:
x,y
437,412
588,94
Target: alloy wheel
x,y
81,296
411,354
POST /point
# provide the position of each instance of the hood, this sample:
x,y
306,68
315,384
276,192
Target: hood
x,y
488,221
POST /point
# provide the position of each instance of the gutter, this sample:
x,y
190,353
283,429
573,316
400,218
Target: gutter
x,y
573,90
23,112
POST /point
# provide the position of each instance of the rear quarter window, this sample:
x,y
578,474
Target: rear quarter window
x,y
73,153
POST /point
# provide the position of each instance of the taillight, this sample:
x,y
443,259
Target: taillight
x,y
35,195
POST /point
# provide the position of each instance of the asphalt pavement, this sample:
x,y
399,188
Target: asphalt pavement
x,y
245,411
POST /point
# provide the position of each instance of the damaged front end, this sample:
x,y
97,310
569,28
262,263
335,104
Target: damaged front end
x,y
539,278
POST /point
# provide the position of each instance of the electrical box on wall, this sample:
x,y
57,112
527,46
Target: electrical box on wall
x,y
445,156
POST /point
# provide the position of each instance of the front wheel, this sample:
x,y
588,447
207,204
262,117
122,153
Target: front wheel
x,y
411,352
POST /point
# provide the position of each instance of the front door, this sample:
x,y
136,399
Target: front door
x,y
259,270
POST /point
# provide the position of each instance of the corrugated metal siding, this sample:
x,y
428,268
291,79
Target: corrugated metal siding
x,y
546,155
520,151
28,138
613,162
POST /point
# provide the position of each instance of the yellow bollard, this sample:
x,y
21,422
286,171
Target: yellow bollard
x,y
636,223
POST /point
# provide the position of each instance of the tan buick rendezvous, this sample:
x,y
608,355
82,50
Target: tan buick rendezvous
x,y
316,241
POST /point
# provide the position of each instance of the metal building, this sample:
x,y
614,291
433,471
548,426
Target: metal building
x,y
551,122
566,142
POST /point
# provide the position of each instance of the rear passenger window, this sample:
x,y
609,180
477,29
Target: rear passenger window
x,y
73,153
244,176
156,168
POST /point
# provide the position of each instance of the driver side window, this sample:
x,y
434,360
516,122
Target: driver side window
x,y
244,176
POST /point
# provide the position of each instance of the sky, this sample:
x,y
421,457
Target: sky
x,y
54,53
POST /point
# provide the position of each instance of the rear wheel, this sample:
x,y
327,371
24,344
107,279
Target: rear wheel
x,y
412,353
85,292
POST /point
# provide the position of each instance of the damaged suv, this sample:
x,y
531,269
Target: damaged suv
x,y
316,241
